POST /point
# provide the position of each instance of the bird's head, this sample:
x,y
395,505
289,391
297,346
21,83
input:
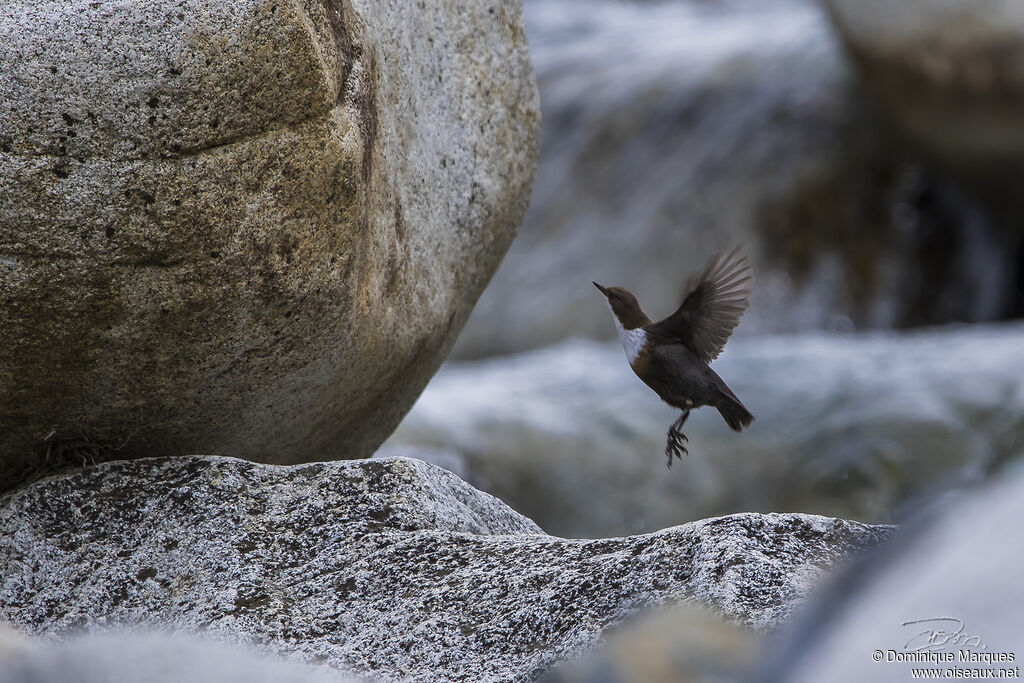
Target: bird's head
x,y
624,306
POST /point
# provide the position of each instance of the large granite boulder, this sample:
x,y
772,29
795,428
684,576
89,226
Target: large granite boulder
x,y
673,129
392,568
846,426
247,227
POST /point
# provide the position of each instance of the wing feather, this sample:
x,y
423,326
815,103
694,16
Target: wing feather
x,y
712,307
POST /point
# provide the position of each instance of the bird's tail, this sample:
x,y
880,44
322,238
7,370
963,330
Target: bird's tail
x,y
735,414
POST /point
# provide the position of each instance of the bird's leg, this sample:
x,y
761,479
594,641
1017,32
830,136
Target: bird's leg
x,y
674,446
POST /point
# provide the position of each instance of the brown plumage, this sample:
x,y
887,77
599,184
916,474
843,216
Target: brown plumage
x,y
672,355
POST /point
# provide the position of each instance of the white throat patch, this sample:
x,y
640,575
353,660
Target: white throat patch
x,y
632,340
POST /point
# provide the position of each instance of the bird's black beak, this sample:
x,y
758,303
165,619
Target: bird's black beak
x,y
603,290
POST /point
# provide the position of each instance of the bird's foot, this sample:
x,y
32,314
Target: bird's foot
x,y
674,446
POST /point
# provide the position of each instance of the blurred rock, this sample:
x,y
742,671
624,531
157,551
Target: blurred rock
x,y
960,575
389,568
672,130
245,226
850,427
681,645
951,74
12,644
153,659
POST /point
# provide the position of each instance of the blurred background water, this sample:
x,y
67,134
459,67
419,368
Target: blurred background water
x,y
866,157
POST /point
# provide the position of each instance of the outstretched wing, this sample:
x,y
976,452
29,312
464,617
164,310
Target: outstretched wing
x,y
714,302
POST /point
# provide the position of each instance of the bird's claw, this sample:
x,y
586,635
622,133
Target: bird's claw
x,y
674,446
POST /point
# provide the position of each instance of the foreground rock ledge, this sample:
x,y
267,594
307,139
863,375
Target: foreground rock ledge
x,y
393,568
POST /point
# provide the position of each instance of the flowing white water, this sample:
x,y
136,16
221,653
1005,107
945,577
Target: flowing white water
x,y
674,129
852,426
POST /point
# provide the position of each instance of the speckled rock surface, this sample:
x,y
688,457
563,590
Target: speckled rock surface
x,y
393,568
246,226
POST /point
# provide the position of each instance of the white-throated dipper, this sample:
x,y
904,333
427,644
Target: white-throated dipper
x,y
671,356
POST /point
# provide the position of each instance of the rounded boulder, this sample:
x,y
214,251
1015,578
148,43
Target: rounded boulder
x,y
246,227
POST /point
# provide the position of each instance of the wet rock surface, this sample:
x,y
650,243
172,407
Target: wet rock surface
x,y
389,568
244,227
846,426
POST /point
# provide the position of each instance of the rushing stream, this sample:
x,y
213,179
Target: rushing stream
x,y
672,130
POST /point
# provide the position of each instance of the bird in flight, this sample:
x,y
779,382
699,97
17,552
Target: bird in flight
x,y
671,356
